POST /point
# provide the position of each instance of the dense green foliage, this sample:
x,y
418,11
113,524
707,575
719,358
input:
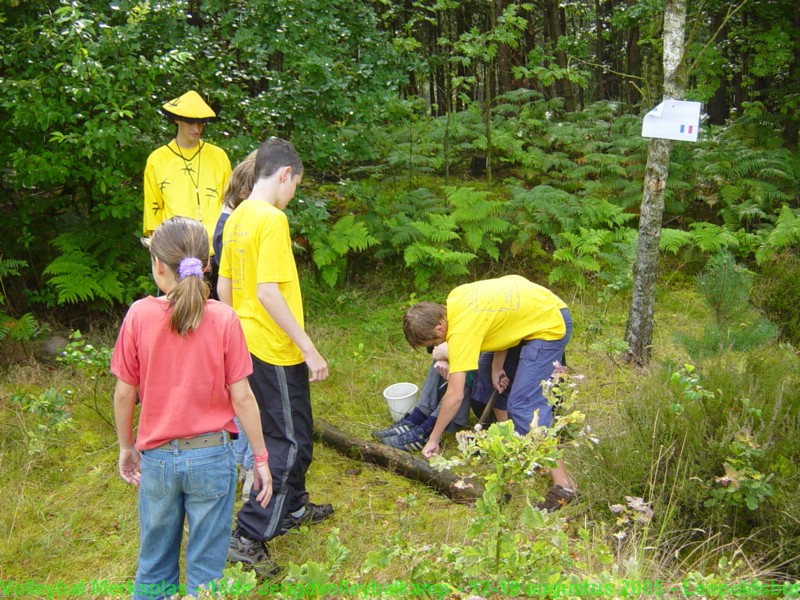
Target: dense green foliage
x,y
384,100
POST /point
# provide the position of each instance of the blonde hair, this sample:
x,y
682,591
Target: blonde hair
x,y
241,182
174,241
420,321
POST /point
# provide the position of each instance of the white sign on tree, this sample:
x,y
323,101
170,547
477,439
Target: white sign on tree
x,y
673,120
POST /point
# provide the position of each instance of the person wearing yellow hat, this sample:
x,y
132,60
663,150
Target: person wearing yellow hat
x,y
187,176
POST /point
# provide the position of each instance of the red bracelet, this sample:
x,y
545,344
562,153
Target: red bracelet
x,y
261,458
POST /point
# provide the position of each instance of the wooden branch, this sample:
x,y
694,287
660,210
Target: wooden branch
x,y
398,461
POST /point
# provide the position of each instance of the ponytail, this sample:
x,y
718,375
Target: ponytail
x,y
182,245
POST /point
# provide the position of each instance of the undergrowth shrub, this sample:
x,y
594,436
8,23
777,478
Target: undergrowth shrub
x,y
776,293
709,449
22,328
725,286
42,415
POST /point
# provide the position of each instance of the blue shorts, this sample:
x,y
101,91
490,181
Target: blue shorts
x,y
527,365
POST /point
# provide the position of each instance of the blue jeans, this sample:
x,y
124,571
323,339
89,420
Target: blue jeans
x,y
241,448
430,399
527,366
197,485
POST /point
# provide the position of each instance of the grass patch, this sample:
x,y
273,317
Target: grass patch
x,y
68,516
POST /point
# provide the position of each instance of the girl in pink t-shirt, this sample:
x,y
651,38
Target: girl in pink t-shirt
x,y
186,358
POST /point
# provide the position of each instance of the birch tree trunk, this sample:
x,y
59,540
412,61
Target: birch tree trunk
x,y
639,331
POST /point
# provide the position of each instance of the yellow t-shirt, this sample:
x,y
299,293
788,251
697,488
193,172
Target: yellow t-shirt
x,y
257,248
497,314
186,183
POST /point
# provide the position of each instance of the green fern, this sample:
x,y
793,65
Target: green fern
x,y
10,266
26,327
77,277
477,216
712,238
427,261
785,234
673,240
330,249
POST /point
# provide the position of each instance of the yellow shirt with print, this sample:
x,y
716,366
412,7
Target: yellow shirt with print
x,y
257,248
497,314
185,183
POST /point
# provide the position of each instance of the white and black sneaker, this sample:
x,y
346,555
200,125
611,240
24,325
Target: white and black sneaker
x,y
396,428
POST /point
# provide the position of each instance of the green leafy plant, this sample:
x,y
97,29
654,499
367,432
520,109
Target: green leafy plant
x,y
742,485
93,363
687,381
43,415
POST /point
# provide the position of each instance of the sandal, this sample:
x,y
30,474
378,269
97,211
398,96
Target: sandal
x,y
557,497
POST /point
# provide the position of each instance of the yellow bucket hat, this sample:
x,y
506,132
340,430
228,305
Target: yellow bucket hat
x,y
190,107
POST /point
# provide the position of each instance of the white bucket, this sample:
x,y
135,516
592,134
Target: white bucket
x,y
401,398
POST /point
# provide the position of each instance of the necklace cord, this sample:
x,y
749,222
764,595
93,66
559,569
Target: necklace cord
x,y
187,162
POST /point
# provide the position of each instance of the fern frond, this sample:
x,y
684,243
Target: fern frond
x,y
347,235
786,233
23,329
712,238
672,240
77,277
11,266
438,229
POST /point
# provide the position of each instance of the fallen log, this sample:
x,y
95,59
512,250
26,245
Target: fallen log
x,y
401,462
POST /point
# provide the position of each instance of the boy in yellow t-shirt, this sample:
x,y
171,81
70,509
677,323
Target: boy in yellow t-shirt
x,y
258,277
522,328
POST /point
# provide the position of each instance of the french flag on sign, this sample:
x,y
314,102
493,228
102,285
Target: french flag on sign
x,y
687,129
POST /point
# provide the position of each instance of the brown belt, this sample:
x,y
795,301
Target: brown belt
x,y
207,440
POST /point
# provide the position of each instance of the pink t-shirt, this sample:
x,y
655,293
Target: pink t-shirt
x,y
182,381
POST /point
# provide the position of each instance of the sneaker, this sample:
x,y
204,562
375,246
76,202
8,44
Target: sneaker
x,y
413,439
253,553
312,514
395,429
557,497
247,485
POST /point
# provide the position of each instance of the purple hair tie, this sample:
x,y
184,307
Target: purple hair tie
x,y
190,267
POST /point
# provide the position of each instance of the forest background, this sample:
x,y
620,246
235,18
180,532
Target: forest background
x,y
444,141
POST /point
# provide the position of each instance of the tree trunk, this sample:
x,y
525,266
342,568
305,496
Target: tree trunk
x,y
639,331
401,462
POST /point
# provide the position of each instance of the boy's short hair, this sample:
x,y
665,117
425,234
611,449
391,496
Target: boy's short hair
x,y
274,154
420,321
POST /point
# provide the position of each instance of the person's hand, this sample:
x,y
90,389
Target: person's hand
x,y
129,465
262,480
442,367
499,380
431,448
317,366
440,352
